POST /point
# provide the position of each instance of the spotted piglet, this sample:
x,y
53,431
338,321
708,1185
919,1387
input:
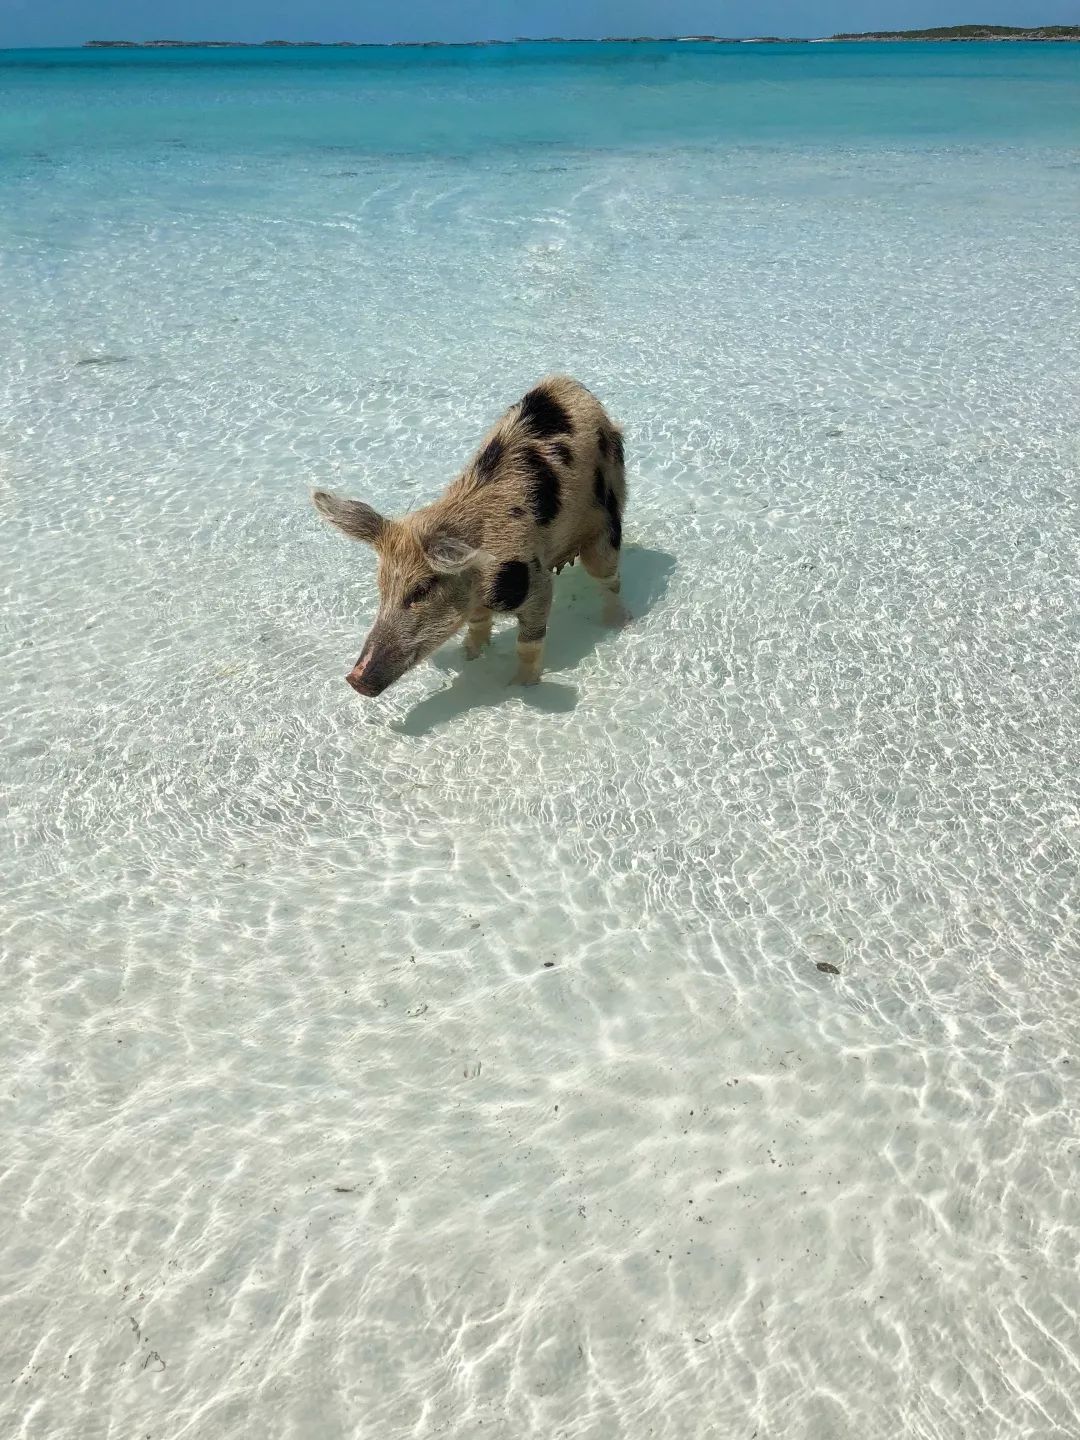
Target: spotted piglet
x,y
547,485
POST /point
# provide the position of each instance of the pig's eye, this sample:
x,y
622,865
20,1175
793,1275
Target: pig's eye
x,y
418,593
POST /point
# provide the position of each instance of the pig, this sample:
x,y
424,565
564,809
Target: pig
x,y
547,486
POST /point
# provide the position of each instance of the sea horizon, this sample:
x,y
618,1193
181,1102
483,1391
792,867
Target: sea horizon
x,y
982,35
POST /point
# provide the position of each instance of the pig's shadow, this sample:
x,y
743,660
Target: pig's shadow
x,y
575,631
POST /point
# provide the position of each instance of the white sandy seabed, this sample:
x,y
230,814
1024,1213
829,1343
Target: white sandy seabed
x,y
688,1048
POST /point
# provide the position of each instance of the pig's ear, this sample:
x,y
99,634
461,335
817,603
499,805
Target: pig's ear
x,y
356,519
447,555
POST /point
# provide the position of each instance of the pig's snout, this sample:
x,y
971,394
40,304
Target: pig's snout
x,y
373,673
365,680
356,679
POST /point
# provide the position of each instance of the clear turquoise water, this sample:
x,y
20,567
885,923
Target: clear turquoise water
x,y
460,1064
464,102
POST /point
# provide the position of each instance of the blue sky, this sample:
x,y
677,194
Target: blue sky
x,y
70,22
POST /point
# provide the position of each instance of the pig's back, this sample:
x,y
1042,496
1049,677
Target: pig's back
x,y
545,474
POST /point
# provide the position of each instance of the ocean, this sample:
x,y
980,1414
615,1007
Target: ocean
x,y
688,1047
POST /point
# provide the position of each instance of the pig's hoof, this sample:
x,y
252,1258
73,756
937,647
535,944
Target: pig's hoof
x,y
525,677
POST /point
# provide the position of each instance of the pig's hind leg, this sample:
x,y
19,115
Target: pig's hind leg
x,y
601,560
601,556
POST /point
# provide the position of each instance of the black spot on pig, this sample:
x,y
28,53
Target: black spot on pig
x,y
603,444
617,448
545,492
510,586
599,487
488,461
544,415
614,520
563,452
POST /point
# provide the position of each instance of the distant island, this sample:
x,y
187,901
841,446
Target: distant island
x,y
945,32
972,32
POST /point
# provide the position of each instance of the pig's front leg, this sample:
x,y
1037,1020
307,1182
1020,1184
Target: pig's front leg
x,y
479,632
532,620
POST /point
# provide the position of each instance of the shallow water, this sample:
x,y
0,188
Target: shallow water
x,y
462,1064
